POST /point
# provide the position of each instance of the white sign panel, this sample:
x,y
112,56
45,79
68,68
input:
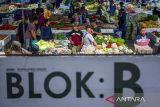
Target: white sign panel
x,y
80,81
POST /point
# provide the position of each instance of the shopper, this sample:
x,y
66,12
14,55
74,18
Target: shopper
x,y
33,14
99,10
96,29
112,8
76,39
122,21
58,2
46,32
121,5
41,18
88,38
22,27
76,18
30,33
53,2
77,4
142,35
84,14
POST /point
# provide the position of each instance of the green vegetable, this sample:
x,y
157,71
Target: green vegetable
x,y
152,17
99,40
158,34
59,36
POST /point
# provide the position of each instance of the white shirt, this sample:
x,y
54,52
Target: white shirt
x,y
88,39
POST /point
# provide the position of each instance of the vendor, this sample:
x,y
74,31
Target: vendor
x,y
142,35
46,32
75,17
156,11
76,39
96,29
30,33
88,38
22,27
39,9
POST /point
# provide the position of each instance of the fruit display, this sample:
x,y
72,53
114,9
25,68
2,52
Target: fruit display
x,y
109,40
115,50
139,16
149,24
60,21
100,39
91,6
32,6
11,7
43,45
57,51
8,27
150,21
4,8
53,47
111,45
19,5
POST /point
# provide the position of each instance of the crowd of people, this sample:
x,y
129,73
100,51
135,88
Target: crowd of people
x,y
33,28
36,26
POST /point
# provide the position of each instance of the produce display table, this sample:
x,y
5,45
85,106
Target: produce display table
x,y
17,13
104,31
143,49
8,32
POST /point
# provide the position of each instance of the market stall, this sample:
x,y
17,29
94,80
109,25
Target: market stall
x,y
61,24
